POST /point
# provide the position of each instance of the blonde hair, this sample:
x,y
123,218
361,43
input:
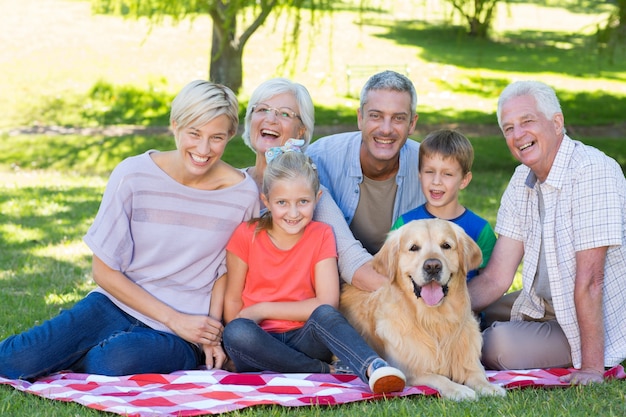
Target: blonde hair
x,y
448,144
201,101
287,166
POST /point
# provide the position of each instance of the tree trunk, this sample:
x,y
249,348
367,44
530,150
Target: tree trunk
x,y
478,29
225,65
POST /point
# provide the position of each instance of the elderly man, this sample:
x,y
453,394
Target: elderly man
x,y
564,215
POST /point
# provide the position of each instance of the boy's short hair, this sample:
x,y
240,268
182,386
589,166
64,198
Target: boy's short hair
x,y
449,144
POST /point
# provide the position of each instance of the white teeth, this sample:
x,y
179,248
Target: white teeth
x,y
269,132
521,148
384,142
196,158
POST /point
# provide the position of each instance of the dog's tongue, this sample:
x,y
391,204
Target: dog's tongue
x,y
432,293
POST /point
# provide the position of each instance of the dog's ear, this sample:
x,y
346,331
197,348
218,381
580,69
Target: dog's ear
x,y
469,251
386,260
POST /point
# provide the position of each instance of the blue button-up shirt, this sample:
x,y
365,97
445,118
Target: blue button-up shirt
x,y
339,167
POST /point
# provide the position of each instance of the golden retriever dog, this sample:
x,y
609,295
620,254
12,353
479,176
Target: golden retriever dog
x,y
421,320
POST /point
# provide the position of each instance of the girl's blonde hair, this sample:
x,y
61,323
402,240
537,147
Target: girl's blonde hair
x,y
287,166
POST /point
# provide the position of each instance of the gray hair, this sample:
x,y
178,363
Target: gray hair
x,y
390,80
544,95
201,101
273,87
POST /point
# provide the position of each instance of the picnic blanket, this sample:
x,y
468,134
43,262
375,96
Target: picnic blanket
x,y
200,392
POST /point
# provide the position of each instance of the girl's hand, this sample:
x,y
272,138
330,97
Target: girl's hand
x,y
202,330
215,356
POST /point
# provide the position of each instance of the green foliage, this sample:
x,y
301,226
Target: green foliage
x,y
228,39
104,104
111,105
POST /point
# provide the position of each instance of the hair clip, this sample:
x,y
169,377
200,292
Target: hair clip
x,y
292,145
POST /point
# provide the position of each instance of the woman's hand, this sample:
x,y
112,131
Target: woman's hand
x,y
202,330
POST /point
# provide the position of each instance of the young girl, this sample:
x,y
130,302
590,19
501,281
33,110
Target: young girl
x,y
282,289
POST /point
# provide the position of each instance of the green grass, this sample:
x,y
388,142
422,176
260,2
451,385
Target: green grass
x,y
47,209
69,68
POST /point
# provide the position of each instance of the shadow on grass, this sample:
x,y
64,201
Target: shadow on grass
x,y
528,51
95,154
42,270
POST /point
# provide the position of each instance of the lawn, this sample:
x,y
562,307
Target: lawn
x,y
63,66
50,190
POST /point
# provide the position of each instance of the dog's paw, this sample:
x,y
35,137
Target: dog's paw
x,y
491,389
458,392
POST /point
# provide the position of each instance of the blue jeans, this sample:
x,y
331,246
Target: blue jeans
x,y
307,349
95,337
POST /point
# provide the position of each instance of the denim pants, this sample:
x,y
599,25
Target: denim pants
x,y
95,337
307,349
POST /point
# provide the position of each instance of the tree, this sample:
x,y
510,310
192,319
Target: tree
x,y
479,15
612,35
228,38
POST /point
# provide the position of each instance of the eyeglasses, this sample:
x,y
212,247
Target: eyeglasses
x,y
284,113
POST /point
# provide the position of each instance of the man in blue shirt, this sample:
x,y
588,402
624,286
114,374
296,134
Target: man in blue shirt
x,y
372,174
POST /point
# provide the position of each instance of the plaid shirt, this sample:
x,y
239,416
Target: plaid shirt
x,y
585,208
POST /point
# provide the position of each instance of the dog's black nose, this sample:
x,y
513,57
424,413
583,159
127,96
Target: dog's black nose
x,y
432,266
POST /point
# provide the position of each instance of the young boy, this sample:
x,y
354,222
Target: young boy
x,y
445,163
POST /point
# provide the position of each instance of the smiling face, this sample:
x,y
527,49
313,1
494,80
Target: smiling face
x,y
385,122
532,138
291,203
201,147
442,179
272,128
426,258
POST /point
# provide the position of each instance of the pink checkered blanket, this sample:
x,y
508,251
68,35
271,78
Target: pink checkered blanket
x,y
199,392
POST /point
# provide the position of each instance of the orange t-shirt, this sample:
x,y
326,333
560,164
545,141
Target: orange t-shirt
x,y
277,275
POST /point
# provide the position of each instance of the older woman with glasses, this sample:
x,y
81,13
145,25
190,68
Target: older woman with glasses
x,y
278,110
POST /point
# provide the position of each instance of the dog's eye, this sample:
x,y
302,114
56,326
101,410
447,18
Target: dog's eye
x,y
414,248
445,245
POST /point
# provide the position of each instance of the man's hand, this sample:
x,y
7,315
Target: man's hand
x,y
584,377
